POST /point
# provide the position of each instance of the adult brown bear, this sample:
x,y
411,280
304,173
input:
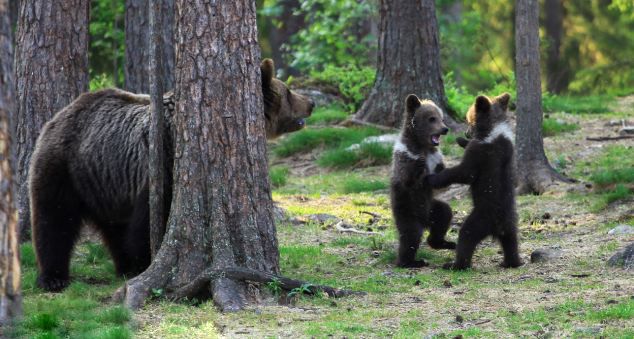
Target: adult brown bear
x,y
90,165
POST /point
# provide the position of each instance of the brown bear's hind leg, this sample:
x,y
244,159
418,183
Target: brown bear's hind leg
x,y
473,231
439,219
510,248
410,233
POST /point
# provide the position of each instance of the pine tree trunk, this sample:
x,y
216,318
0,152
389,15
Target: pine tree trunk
x,y
137,40
534,172
157,225
556,71
290,24
221,213
10,296
408,62
51,71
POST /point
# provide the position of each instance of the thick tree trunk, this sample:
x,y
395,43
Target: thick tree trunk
x,y
408,62
557,77
137,40
534,172
290,23
221,213
51,71
10,296
157,226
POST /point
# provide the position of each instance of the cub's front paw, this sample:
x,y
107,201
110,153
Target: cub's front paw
x,y
52,284
413,264
462,142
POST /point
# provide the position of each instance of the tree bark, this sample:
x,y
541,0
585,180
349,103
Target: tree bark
x,y
221,213
534,172
408,62
557,76
51,71
10,296
156,174
137,39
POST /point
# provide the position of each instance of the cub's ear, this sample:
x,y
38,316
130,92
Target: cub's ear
x,y
504,100
482,105
412,103
268,71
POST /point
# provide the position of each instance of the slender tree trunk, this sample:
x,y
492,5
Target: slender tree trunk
x,y
556,70
408,62
157,226
51,71
13,12
137,40
10,296
290,24
534,172
221,213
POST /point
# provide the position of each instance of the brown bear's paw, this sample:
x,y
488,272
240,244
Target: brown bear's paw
x,y
442,245
462,142
52,284
413,264
513,264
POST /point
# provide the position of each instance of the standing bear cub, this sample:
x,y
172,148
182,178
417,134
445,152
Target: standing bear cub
x,y
416,154
487,165
90,165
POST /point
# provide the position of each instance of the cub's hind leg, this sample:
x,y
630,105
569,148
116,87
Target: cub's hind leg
x,y
410,233
439,220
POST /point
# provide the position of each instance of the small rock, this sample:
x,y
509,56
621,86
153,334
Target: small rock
x,y
589,330
621,229
459,318
323,218
623,258
611,302
447,284
279,214
542,255
320,98
546,216
376,254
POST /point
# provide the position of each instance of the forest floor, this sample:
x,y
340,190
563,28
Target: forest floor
x,y
573,295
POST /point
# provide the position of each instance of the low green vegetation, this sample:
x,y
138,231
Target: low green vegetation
x,y
328,115
613,175
82,310
595,104
367,154
354,185
552,127
278,175
311,138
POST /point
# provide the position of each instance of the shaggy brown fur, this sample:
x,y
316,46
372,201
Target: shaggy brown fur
x,y
90,165
413,206
487,166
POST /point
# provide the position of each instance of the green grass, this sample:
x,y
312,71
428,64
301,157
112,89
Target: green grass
x,y
278,175
79,311
368,154
328,115
310,138
552,127
354,185
578,104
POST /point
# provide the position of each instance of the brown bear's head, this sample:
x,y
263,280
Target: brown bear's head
x,y
423,122
284,110
486,114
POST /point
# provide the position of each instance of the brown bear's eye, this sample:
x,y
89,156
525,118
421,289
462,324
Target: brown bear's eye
x,y
432,119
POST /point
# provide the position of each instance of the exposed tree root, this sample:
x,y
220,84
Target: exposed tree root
x,y
356,122
233,274
539,178
620,137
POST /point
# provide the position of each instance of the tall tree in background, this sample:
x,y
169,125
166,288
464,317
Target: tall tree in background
x,y
51,71
557,74
408,62
284,27
137,41
10,296
221,213
534,172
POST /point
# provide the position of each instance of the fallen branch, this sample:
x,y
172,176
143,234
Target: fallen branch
x,y
352,122
376,215
339,227
620,137
201,282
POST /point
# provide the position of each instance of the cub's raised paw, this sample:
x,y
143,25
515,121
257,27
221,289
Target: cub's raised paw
x,y
462,142
444,245
52,284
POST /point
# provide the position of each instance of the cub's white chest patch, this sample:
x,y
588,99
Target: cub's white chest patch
x,y
399,147
433,160
504,130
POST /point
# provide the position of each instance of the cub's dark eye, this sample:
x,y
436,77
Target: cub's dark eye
x,y
432,119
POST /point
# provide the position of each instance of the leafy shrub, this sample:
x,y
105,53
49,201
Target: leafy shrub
x,y
101,81
353,82
278,175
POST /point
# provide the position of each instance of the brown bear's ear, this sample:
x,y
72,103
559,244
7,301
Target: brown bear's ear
x,y
504,100
412,103
268,71
482,105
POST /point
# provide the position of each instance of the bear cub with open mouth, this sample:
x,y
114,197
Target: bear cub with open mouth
x,y
416,155
487,166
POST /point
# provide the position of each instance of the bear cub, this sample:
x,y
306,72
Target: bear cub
x,y
416,155
487,166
